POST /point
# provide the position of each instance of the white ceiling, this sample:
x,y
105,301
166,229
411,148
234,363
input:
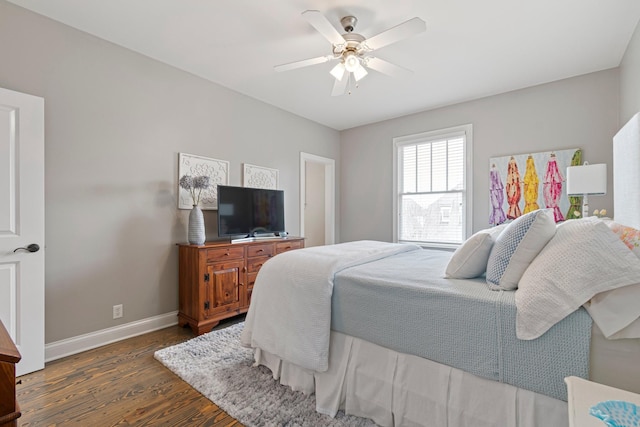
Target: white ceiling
x,y
471,48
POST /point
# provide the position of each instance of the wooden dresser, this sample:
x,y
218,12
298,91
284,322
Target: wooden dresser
x,y
216,279
9,356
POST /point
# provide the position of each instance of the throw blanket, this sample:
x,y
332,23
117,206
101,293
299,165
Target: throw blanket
x,y
403,303
290,312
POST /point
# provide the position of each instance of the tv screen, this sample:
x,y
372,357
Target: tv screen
x,y
249,211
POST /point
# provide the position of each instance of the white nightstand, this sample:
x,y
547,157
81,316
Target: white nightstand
x,y
583,394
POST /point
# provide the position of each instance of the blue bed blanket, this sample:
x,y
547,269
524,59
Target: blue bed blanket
x,y
403,303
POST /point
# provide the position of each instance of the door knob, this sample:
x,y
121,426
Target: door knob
x,y
31,248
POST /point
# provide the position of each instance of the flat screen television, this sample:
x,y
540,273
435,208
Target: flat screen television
x,y
249,211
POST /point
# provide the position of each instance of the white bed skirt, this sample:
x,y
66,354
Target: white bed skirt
x,y
396,389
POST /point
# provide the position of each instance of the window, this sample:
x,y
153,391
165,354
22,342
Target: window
x,y
432,200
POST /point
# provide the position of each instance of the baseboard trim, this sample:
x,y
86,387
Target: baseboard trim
x,y
80,343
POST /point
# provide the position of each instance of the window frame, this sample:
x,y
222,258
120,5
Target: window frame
x,y
467,194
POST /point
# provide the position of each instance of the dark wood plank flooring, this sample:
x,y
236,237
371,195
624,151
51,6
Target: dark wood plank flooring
x,y
119,384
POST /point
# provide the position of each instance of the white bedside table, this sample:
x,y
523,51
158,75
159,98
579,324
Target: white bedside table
x,y
583,394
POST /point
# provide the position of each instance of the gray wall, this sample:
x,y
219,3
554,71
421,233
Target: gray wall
x,y
630,79
576,112
115,123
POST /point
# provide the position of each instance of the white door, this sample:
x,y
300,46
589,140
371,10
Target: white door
x,y
22,225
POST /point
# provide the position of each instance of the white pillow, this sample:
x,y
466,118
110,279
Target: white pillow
x,y
630,236
517,246
583,259
614,310
470,259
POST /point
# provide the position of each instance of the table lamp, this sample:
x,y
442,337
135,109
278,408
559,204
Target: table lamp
x,y
586,180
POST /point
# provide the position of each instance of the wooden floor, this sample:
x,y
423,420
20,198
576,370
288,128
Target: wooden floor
x,y
120,384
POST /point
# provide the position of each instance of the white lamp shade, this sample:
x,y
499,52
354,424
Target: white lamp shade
x,y
338,71
351,62
587,179
359,73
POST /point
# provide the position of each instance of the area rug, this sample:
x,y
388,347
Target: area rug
x,y
221,369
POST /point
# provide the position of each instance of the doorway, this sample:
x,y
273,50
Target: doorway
x,y
317,199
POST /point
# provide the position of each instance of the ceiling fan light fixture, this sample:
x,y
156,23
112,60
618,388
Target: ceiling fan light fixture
x,y
338,71
352,50
359,72
351,62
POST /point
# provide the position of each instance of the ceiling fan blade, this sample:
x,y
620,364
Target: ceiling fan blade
x,y
384,67
399,32
340,86
324,27
303,63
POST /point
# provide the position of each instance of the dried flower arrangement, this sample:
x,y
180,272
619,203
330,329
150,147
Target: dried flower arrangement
x,y
195,185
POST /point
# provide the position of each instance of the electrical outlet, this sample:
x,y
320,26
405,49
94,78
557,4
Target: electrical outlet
x,y
117,311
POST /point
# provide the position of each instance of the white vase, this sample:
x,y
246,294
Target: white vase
x,y
196,226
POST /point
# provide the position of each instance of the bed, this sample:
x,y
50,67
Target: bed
x,y
376,329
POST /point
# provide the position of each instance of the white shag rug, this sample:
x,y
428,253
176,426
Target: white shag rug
x,y
221,369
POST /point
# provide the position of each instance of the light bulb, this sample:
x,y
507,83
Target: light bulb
x,y
351,62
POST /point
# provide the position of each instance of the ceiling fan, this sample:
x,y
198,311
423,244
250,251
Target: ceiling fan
x,y
353,51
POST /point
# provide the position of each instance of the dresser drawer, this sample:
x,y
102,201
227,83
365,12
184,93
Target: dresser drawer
x,y
288,246
254,264
221,254
260,250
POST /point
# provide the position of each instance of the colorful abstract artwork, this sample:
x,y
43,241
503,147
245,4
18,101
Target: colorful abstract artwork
x,y
522,183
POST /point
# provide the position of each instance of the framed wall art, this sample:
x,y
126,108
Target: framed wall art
x,y
521,183
260,177
217,171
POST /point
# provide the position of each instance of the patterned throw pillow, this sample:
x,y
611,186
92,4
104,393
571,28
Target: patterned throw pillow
x,y
470,259
629,235
517,246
